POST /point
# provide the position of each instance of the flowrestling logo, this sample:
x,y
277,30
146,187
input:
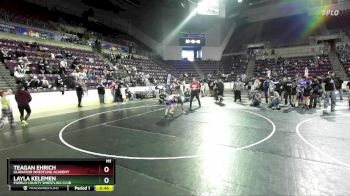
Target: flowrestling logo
x,y
330,12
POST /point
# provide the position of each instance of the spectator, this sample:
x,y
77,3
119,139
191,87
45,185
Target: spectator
x,y
128,93
6,110
287,88
23,98
80,93
256,99
328,89
63,67
5,55
274,100
306,95
60,84
316,89
101,93
118,93
294,94
20,76
34,83
113,88
195,89
45,83
249,85
266,86
20,55
220,90
237,90
47,67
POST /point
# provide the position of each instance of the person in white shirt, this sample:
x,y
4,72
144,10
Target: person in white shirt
x,y
306,74
237,89
45,83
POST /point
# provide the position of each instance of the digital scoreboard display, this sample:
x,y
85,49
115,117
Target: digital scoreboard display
x,y
192,39
61,174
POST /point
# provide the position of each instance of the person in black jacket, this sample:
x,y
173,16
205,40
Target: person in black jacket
x,y
118,93
294,94
287,87
220,90
101,93
316,89
80,92
60,84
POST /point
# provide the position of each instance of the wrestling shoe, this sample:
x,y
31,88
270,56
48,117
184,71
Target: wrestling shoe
x,y
24,123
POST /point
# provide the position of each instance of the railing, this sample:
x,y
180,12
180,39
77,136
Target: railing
x,y
2,74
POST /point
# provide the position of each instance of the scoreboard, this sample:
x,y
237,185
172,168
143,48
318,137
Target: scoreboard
x,y
192,39
61,174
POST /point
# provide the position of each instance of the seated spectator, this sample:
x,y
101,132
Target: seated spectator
x,y
48,69
256,99
43,49
19,54
44,83
21,66
274,100
34,83
128,93
5,55
41,66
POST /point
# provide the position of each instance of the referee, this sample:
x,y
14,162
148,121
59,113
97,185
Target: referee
x,y
195,87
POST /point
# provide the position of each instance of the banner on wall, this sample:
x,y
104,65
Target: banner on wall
x,y
31,32
114,47
6,28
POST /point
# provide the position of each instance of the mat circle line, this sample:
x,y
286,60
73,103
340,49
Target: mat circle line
x,y
297,129
156,158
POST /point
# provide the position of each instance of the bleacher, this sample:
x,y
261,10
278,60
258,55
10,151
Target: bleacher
x,y
182,67
290,67
209,66
343,53
87,60
147,67
234,65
